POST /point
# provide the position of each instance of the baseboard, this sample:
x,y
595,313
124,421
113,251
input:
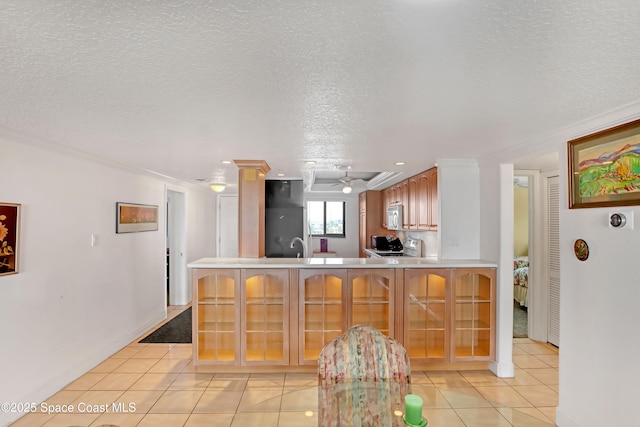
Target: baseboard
x,y
563,420
502,370
67,376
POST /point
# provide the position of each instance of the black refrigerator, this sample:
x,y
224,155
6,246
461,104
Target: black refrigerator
x,y
284,218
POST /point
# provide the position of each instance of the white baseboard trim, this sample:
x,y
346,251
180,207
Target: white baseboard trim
x,y
563,420
502,370
65,377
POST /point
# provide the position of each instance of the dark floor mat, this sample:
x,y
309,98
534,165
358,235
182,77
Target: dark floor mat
x,y
177,330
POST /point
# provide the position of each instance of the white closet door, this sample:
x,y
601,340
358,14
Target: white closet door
x,y
553,215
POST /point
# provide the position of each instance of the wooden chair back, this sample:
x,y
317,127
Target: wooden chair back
x,y
363,353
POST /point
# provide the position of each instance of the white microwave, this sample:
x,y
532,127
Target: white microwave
x,y
394,217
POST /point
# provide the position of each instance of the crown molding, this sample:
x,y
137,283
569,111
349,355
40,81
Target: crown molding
x,y
44,144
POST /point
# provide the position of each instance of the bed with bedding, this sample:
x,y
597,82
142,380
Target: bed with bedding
x,y
521,279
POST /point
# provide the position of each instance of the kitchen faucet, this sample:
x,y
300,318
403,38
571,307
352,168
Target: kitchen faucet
x,y
304,247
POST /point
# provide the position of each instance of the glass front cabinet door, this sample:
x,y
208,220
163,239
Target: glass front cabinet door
x,y
216,316
265,317
321,316
370,299
473,315
426,322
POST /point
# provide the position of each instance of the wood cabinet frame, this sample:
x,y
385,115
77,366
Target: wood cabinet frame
x,y
487,301
452,278
407,298
240,277
340,274
370,218
200,301
398,311
283,276
346,304
390,276
419,197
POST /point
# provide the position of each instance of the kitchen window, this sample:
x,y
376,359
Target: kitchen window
x,y
326,218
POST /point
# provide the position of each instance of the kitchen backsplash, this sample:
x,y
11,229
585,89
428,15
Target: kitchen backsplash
x,y
429,241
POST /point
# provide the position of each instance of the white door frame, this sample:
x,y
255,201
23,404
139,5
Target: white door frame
x,y
538,296
179,290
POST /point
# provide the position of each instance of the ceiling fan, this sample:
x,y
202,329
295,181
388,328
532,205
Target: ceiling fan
x,y
347,182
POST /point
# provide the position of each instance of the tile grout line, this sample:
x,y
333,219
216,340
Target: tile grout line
x,y
531,349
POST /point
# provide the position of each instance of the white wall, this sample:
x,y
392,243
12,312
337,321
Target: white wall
x,y
459,204
201,224
349,246
598,369
599,339
489,183
73,305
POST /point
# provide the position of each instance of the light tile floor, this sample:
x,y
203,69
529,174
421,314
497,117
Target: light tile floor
x,y
167,390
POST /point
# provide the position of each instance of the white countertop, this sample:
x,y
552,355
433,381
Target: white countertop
x,y
384,262
375,252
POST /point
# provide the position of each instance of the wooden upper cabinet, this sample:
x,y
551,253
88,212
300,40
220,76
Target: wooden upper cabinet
x,y
395,195
412,207
362,197
403,193
370,221
418,196
427,200
387,200
423,201
432,175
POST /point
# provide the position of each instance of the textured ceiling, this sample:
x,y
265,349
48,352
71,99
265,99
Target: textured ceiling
x,y
175,87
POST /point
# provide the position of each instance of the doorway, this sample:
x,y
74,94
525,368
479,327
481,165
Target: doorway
x,y
521,231
177,290
542,291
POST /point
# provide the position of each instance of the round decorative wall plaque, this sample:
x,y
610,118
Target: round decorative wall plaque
x,y
581,249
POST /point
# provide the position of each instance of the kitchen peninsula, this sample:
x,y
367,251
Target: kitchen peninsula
x,y
276,314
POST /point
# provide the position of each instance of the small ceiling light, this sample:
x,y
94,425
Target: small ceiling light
x,y
226,162
218,187
310,162
399,163
280,174
347,189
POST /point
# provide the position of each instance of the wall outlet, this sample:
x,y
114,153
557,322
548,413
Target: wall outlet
x,y
452,242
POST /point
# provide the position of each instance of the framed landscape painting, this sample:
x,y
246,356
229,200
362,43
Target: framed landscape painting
x,y
132,217
604,168
9,237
